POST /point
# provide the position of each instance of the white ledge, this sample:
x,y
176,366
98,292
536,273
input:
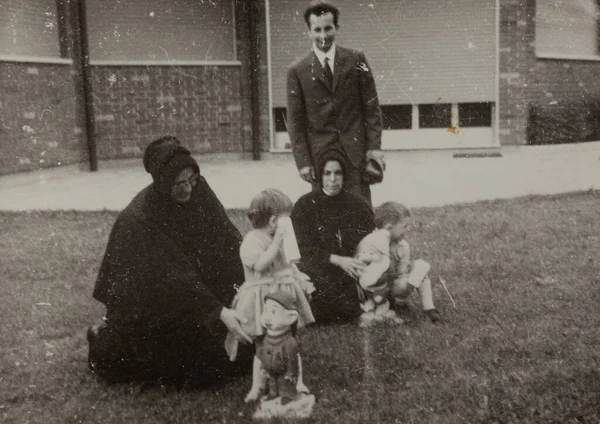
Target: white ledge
x,y
561,56
165,63
35,59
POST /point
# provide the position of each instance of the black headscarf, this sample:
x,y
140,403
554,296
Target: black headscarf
x,y
329,154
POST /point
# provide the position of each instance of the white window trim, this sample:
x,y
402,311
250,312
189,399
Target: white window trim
x,y
165,63
566,56
35,59
224,62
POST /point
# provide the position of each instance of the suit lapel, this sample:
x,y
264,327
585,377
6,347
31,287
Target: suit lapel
x,y
319,72
339,63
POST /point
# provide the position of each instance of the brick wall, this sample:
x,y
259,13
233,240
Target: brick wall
x,y
201,105
517,66
525,79
37,117
559,79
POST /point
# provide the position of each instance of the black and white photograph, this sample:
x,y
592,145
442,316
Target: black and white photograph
x,y
340,211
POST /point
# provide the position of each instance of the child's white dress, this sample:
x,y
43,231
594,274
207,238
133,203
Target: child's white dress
x,y
280,276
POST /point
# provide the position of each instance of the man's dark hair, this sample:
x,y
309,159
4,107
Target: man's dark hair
x,y
319,9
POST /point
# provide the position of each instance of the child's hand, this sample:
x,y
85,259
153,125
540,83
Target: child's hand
x,y
279,234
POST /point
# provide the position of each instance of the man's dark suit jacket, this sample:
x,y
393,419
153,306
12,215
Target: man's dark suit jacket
x,y
346,114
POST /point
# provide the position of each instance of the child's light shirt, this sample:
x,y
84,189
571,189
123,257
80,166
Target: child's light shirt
x,y
255,243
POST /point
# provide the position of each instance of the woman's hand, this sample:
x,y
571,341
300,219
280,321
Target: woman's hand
x,y
232,321
352,267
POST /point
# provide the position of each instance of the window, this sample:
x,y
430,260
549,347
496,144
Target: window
x,y
279,117
397,117
567,28
157,30
29,28
474,115
436,115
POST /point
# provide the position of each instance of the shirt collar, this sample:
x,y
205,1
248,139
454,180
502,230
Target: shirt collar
x,y
321,56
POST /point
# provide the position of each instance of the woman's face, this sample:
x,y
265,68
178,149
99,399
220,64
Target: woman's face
x,y
333,178
186,180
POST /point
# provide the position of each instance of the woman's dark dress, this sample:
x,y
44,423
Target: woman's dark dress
x,y
326,225
167,272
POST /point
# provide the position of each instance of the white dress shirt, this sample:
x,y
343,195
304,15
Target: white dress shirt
x,y
330,55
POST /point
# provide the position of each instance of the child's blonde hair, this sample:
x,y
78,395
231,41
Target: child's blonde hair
x,y
266,204
390,213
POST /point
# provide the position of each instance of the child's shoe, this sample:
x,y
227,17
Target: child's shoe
x,y
382,308
433,315
401,306
368,305
366,319
391,315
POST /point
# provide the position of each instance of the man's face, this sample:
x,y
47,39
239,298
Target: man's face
x,y
322,31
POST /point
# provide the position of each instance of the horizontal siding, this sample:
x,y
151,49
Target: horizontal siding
x,y
29,28
421,51
160,30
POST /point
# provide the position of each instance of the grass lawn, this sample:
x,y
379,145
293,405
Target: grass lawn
x,y
522,344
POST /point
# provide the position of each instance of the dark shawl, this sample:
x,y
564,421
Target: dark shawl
x,y
169,266
326,225
319,219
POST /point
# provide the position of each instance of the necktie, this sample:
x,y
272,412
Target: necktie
x,y
328,72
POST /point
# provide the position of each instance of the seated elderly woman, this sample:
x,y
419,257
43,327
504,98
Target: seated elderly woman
x,y
168,271
329,223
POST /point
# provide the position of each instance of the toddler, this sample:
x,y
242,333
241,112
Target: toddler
x,y
268,252
404,277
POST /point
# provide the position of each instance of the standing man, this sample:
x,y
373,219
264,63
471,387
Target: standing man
x,y
332,102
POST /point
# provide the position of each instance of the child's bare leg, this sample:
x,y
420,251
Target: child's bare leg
x,y
426,294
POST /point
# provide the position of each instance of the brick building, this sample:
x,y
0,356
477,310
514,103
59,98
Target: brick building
x,y
97,79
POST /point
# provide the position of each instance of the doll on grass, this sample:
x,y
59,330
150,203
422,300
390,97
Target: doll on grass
x,y
276,370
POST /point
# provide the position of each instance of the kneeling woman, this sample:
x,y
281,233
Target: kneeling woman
x,y
169,268
329,223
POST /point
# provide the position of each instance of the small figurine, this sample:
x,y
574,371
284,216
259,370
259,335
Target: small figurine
x,y
374,252
277,363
